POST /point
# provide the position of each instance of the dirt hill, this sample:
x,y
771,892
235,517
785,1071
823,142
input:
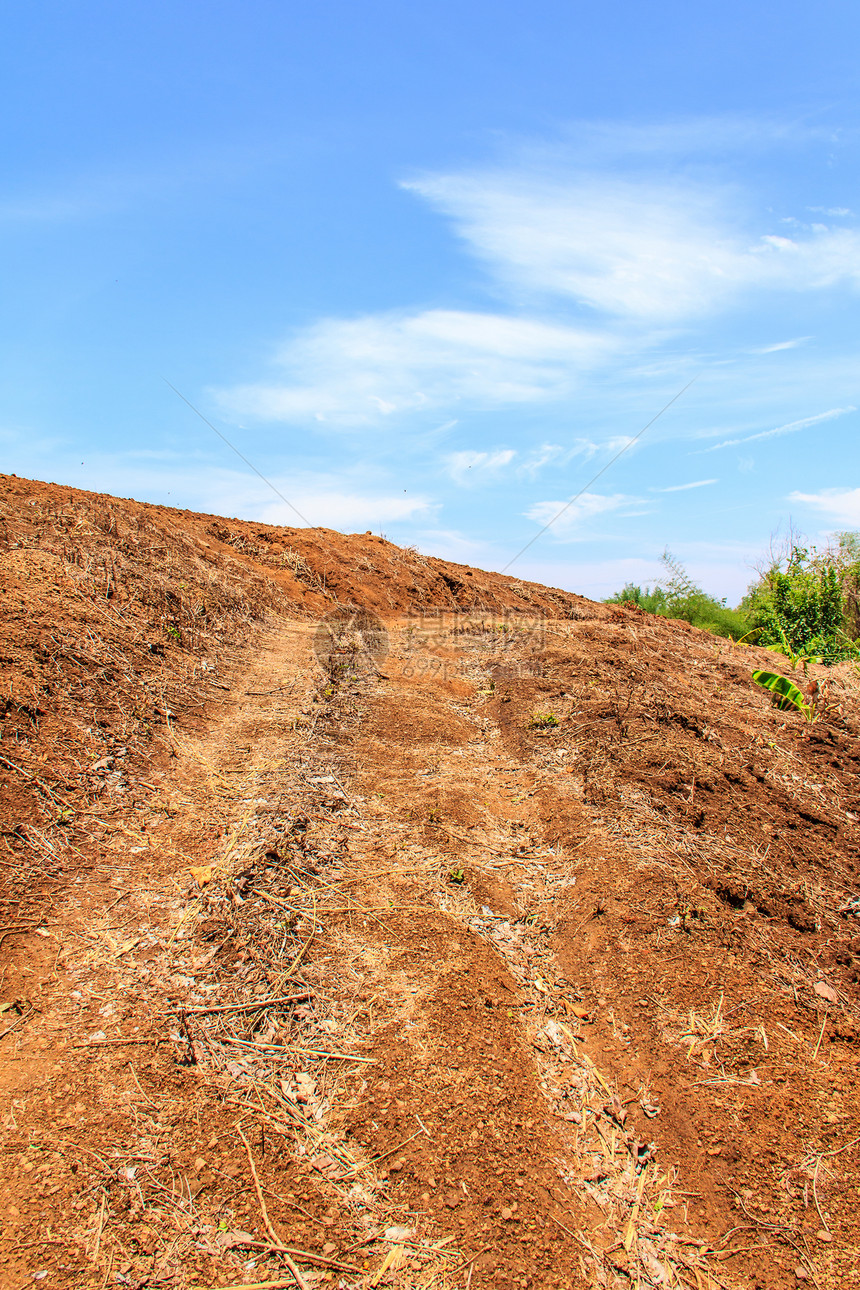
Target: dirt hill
x,y
487,937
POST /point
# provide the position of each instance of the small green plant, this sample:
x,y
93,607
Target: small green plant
x,y
174,633
785,693
456,876
543,721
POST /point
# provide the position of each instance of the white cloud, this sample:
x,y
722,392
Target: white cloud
x,y
363,371
555,454
789,428
567,517
682,488
546,455
645,249
468,467
839,505
783,344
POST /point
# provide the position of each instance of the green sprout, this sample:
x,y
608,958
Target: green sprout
x,y
543,721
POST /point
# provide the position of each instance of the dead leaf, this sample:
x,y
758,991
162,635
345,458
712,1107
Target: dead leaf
x,y
825,991
201,874
616,1110
584,1014
227,1240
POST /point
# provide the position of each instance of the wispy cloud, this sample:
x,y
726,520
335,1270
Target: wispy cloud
x,y
789,428
782,344
839,505
468,467
576,514
599,260
637,248
364,371
839,211
682,488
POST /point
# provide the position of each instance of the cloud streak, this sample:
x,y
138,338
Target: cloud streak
x,y
683,488
790,427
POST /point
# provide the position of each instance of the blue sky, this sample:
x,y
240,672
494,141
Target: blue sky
x,y
431,267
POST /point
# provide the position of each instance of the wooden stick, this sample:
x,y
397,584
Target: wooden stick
x,y
259,1285
35,779
301,1254
815,1197
106,1043
137,1082
240,1007
296,1274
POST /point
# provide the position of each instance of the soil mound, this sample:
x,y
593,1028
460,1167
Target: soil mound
x,y
502,939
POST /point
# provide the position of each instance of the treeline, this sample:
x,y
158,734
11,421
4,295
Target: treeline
x,y
805,603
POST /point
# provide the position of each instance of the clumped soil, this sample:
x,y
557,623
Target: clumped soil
x,y
516,944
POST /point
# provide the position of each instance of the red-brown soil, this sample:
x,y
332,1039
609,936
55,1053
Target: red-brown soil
x,y
524,954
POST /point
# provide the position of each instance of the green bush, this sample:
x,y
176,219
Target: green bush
x,y
677,596
806,604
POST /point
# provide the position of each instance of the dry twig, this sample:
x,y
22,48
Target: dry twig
x,y
296,1274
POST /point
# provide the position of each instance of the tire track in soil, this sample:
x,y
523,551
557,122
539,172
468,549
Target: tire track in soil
x,y
488,1046
576,904
128,1122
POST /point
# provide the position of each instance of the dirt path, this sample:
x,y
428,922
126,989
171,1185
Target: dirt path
x,y
363,953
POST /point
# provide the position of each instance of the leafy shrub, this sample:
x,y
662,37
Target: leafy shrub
x,y
806,604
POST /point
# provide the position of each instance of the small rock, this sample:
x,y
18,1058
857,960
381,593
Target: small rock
x,y
823,1235
506,1215
801,1273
